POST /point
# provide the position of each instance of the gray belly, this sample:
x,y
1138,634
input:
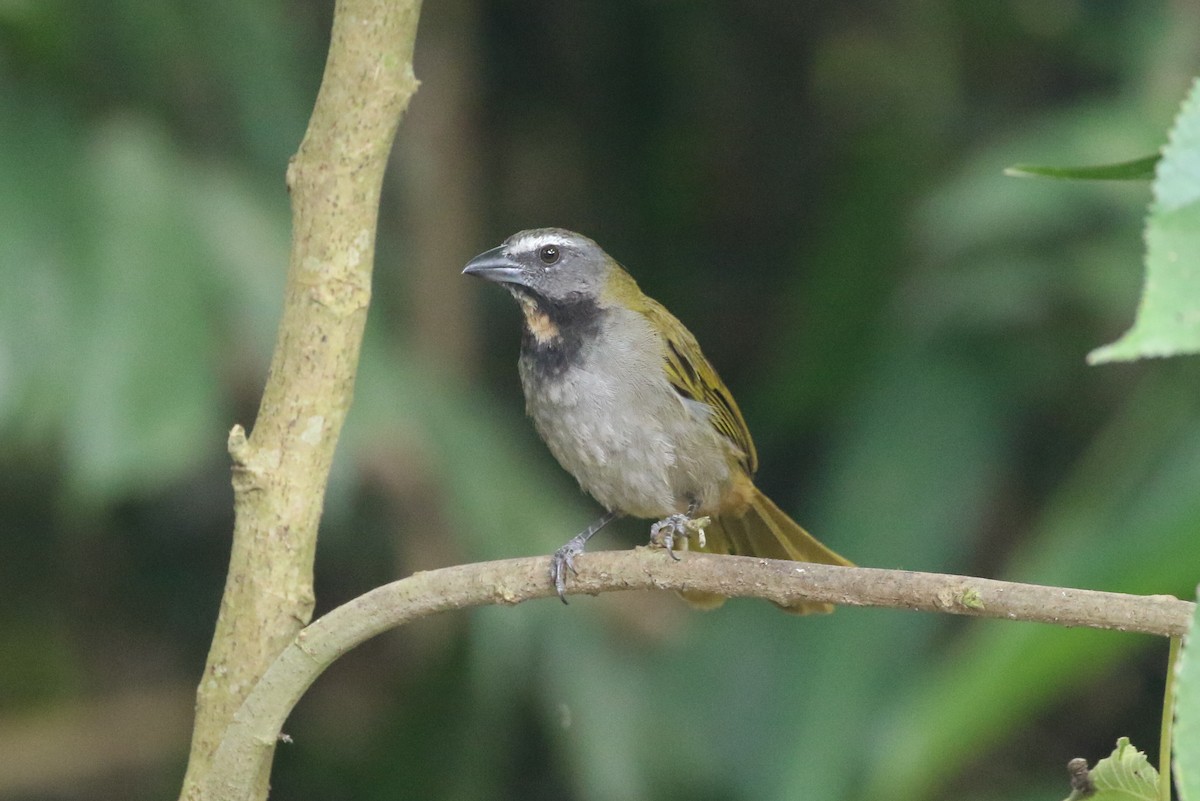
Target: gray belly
x,y
633,444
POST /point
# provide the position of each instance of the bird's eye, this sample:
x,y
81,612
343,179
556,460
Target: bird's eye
x,y
548,254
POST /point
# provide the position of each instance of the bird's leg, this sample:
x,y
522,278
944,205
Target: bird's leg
x,y
682,526
564,558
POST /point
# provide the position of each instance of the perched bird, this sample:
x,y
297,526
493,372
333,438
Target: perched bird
x,y
620,392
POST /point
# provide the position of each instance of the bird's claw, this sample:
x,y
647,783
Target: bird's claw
x,y
564,560
664,533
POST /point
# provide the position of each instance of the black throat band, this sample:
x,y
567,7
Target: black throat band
x,y
555,332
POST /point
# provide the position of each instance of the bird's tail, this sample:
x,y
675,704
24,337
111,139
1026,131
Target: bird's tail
x,y
762,529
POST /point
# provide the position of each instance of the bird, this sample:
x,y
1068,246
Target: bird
x,y
626,401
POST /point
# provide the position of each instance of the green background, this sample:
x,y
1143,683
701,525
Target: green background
x,y
815,189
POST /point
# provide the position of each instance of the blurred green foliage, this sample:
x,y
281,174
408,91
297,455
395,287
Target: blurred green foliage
x,y
816,190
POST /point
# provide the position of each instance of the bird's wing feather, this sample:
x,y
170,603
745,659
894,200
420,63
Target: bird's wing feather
x,y
694,378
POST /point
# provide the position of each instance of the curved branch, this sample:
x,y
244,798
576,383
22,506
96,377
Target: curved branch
x,y
250,739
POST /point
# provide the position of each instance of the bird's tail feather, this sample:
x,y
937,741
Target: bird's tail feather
x,y
762,529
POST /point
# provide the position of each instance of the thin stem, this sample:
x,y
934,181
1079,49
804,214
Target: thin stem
x,y
1168,721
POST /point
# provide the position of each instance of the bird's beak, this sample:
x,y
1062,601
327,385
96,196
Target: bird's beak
x,y
495,265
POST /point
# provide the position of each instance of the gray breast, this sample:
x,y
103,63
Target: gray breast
x,y
613,421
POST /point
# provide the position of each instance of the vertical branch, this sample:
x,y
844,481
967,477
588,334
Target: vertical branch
x,y
280,470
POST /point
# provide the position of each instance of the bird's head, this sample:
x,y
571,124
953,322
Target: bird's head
x,y
552,266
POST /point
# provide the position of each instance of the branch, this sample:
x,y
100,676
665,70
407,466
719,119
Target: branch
x,y
281,469
250,740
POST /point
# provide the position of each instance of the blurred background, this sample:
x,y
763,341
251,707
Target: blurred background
x,y
815,189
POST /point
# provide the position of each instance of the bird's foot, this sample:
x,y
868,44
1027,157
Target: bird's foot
x,y
665,532
564,560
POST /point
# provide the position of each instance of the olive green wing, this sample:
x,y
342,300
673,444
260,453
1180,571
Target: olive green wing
x,y
694,378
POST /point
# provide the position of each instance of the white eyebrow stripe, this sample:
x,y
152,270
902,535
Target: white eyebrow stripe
x,y
536,242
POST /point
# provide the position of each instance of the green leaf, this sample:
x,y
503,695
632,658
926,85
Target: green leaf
x,y
1125,775
1168,318
1186,745
1137,170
